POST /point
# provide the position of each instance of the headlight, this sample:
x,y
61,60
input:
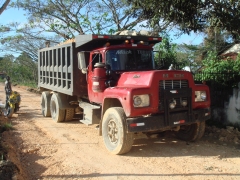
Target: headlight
x,y
200,96
184,103
172,104
141,100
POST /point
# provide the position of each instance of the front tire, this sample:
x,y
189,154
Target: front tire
x,y
57,113
45,104
115,136
191,132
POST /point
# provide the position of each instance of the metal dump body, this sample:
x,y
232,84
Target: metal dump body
x,y
58,70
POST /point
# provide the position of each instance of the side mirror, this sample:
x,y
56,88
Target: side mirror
x,y
82,63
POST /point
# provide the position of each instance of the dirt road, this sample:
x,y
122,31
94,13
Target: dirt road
x,y
43,149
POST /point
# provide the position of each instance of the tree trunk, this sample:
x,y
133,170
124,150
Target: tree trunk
x,y
4,6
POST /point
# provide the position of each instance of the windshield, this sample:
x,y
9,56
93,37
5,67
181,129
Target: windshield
x,y
129,59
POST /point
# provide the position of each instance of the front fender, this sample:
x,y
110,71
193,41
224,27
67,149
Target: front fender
x,y
120,98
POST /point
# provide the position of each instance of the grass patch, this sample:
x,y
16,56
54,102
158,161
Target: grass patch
x,y
6,127
29,84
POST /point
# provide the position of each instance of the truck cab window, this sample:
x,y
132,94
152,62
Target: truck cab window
x,y
96,58
129,59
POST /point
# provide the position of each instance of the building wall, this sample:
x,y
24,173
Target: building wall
x,y
230,113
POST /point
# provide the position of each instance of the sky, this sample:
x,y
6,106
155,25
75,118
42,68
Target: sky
x,y
15,15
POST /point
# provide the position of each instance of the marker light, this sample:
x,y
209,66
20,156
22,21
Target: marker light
x,y
107,44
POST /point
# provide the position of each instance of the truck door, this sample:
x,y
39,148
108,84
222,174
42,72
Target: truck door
x,y
97,97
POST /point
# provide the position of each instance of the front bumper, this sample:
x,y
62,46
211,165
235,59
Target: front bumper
x,y
163,122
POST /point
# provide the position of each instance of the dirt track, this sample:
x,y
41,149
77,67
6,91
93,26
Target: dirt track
x,y
43,149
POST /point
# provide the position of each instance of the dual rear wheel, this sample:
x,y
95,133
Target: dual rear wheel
x,y
51,107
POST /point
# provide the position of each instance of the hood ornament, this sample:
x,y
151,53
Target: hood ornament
x,y
136,76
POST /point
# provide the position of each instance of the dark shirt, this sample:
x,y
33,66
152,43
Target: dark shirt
x,y
8,87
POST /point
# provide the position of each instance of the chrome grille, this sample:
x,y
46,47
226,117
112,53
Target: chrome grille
x,y
173,84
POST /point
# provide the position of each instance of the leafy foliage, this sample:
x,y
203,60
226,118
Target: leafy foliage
x,y
69,18
25,39
190,55
178,55
193,15
22,69
223,71
166,53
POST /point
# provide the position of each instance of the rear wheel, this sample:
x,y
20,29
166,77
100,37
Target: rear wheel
x,y
57,113
191,132
115,136
69,114
45,104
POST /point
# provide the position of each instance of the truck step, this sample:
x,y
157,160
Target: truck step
x,y
87,122
91,113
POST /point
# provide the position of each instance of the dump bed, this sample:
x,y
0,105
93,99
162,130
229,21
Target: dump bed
x,y
58,70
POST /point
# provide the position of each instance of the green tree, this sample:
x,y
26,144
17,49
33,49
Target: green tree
x,y
166,53
218,70
22,69
190,55
27,71
193,15
69,18
7,64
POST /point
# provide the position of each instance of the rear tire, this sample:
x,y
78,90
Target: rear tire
x,y
115,136
69,114
191,132
57,113
45,104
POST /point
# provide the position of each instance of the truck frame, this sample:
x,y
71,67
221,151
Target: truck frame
x,y
112,81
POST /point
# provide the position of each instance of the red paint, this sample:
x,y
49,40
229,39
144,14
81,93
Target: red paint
x,y
99,79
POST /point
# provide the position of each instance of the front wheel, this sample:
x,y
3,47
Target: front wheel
x,y
191,132
115,136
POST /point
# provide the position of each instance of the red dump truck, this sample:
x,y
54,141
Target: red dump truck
x,y
113,82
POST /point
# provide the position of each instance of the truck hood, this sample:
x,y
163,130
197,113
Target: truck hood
x,y
149,78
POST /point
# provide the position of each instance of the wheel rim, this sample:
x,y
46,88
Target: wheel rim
x,y
113,132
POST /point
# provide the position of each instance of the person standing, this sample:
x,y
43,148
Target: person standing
x,y
8,90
